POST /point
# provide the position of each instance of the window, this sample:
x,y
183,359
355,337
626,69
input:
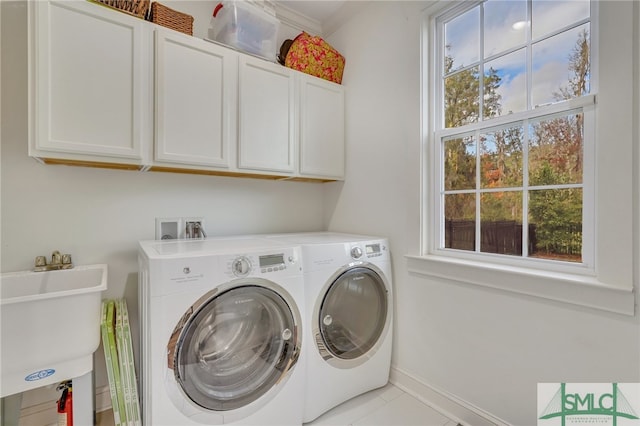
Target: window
x,y
501,159
514,133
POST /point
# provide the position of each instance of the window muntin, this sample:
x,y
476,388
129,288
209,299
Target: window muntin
x,y
515,188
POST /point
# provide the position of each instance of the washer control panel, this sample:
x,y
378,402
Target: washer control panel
x,y
272,262
257,264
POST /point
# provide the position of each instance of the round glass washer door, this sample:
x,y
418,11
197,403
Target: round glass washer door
x,y
235,346
353,316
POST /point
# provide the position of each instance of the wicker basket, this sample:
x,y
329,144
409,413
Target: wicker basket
x,y
138,8
167,17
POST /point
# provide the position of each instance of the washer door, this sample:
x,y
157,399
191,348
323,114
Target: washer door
x,y
353,316
234,346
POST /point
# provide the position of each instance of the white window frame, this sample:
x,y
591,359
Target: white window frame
x,y
598,281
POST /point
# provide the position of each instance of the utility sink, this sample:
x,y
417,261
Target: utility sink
x,y
50,325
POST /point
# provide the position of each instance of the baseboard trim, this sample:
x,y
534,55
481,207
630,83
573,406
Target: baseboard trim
x,y
449,405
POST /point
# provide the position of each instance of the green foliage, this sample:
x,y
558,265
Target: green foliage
x,y
557,214
462,95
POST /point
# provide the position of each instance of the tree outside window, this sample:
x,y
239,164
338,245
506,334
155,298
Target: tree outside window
x,y
515,188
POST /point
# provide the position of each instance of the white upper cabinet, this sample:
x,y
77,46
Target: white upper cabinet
x,y
321,128
195,100
266,126
89,94
108,89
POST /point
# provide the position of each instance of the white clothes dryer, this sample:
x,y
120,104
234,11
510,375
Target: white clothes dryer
x,y
349,305
221,332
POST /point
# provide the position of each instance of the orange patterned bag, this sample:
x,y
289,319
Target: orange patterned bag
x,y
312,55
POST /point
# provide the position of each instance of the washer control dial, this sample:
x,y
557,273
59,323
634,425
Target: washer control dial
x,y
356,252
241,266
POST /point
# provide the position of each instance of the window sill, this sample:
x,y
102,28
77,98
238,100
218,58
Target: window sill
x,y
568,288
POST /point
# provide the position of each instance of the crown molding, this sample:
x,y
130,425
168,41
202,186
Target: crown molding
x,y
297,20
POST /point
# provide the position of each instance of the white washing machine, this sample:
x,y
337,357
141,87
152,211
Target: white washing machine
x,y
349,304
221,332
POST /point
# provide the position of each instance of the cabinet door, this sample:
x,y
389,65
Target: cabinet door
x,y
321,128
266,116
89,87
195,100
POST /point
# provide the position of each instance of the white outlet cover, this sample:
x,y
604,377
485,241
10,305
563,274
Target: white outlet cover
x,y
169,228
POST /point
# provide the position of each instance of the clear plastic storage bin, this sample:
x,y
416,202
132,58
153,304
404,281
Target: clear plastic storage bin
x,y
245,27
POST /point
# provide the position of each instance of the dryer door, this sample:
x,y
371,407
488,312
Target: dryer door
x,y
353,316
233,346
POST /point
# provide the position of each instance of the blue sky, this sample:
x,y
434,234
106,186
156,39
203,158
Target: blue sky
x,y
549,57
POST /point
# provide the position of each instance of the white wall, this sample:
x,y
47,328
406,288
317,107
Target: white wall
x,y
99,215
485,347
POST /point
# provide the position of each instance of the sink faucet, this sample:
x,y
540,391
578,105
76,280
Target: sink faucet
x,y
58,261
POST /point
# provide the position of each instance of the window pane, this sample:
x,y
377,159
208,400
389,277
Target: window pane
x,y
549,16
460,221
561,68
461,98
555,216
501,225
505,84
462,37
556,151
460,163
505,25
501,158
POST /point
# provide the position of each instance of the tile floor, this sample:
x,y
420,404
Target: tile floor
x,y
387,406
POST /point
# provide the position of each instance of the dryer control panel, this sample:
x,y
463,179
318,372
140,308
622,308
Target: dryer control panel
x,y
374,250
368,250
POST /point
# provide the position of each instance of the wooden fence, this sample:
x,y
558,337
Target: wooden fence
x,y
502,237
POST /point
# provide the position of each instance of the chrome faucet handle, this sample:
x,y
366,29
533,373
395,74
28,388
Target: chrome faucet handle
x,y
41,261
